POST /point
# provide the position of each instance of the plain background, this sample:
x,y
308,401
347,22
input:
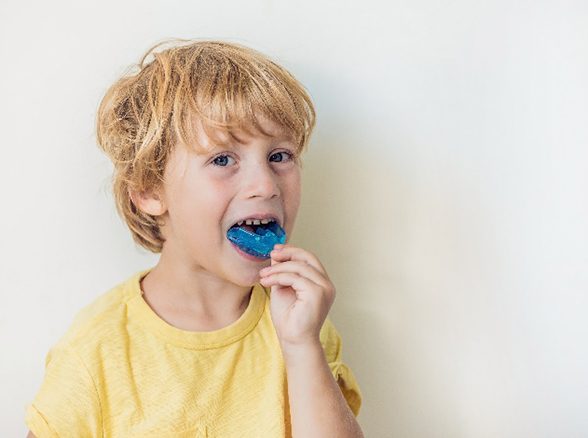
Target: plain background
x,y
445,190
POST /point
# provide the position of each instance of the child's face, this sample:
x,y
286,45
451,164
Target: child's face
x,y
206,194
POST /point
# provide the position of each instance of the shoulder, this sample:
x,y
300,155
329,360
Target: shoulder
x,y
103,315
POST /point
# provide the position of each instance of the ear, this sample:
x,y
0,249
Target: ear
x,y
148,202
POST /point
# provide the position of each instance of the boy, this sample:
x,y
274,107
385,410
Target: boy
x,y
205,138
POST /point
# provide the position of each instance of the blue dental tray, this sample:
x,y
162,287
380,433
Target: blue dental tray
x,y
260,242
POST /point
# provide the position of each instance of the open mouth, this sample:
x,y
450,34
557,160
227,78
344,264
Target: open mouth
x,y
257,237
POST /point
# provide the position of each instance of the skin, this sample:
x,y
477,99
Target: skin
x,y
202,283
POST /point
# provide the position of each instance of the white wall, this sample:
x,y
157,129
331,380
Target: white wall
x,y
445,190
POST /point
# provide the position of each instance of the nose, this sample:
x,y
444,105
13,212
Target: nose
x,y
261,181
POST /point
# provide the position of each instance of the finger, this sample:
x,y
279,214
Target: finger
x,y
300,268
296,282
283,253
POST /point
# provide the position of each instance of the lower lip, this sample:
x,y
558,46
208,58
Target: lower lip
x,y
247,256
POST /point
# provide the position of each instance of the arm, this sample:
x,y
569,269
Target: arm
x,y
317,406
30,435
301,296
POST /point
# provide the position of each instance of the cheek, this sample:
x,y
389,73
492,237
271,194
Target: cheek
x,y
202,201
213,199
296,195
294,191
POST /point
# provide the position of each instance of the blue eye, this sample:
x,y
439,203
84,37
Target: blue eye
x,y
290,156
221,160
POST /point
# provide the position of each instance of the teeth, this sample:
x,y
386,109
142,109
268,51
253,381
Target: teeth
x,y
255,222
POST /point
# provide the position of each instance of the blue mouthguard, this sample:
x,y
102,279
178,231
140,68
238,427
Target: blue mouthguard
x,y
260,242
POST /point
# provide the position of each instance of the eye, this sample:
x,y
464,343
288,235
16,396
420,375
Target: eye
x,y
278,154
221,160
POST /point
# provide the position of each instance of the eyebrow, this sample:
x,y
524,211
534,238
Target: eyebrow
x,y
237,145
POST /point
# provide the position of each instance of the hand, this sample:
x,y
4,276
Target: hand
x,y
301,295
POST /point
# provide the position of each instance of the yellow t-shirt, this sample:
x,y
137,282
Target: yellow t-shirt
x,y
122,371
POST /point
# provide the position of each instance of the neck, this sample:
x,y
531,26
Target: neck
x,y
191,298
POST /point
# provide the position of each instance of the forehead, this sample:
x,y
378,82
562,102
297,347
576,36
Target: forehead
x,y
207,138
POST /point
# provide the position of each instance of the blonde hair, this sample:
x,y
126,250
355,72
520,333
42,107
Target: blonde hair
x,y
147,112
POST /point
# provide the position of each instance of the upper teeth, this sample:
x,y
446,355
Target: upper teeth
x,y
255,221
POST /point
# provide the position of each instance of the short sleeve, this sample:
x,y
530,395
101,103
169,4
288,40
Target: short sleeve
x,y
67,404
331,342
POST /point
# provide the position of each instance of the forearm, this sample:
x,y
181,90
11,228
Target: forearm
x,y
317,406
